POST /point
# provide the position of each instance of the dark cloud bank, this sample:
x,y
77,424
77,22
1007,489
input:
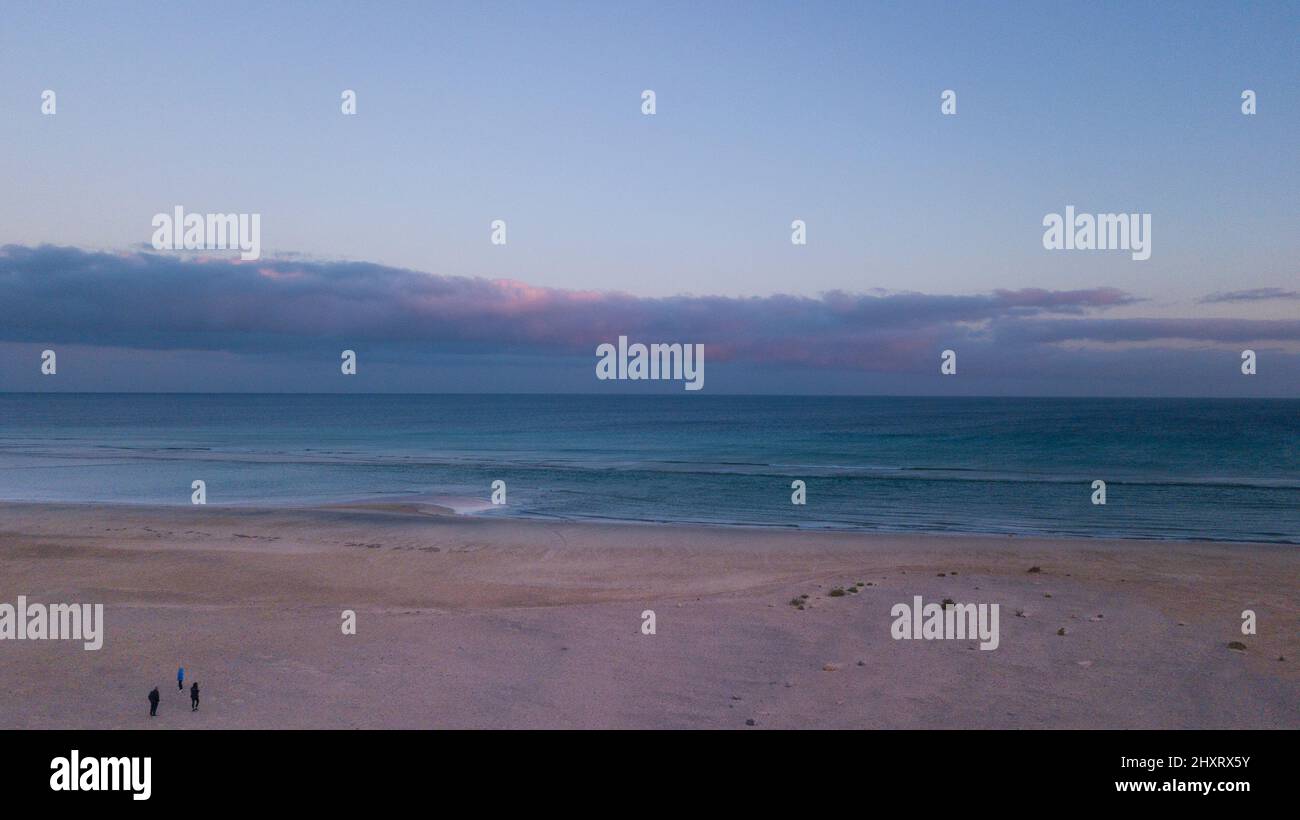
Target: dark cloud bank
x,y
147,321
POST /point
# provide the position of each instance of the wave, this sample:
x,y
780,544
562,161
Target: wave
x,y
668,467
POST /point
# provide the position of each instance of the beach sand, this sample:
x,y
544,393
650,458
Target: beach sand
x,y
482,621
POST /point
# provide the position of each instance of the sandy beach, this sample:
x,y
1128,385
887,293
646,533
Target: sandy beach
x,y
479,621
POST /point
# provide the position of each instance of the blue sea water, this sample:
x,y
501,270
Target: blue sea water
x,y
1174,468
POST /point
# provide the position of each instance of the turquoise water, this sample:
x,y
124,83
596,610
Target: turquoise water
x,y
1175,468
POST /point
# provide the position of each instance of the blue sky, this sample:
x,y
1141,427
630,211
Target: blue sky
x,y
530,112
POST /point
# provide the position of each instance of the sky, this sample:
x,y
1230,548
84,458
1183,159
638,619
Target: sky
x,y
924,231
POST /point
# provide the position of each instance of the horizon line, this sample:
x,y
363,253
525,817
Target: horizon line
x,y
636,395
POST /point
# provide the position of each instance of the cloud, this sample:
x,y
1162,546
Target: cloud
x,y
291,306
1112,331
1253,295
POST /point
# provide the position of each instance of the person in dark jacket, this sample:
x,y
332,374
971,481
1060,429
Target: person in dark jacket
x,y
153,702
194,697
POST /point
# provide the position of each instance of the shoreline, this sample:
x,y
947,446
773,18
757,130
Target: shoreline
x,y
483,621
467,508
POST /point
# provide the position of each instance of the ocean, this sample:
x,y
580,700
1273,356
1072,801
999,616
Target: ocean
x,y
1209,469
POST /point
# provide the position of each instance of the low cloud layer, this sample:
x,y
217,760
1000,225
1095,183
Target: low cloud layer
x,y
1252,295
146,301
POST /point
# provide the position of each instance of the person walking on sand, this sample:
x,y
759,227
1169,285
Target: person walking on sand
x,y
180,679
153,702
194,697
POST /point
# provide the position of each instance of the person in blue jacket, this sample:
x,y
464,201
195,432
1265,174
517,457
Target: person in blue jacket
x,y
180,679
